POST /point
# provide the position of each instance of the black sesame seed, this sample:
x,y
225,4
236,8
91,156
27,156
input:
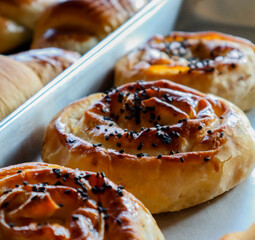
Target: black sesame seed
x,y
106,216
107,137
177,151
159,156
102,174
139,155
221,134
19,171
75,217
67,192
172,152
221,117
4,205
200,127
118,144
97,127
118,221
61,205
119,135
182,160
209,131
34,189
58,183
11,225
206,159
7,191
87,176
17,185
25,183
140,146
121,151
154,145
34,197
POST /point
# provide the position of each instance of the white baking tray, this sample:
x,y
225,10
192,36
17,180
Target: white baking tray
x,y
22,131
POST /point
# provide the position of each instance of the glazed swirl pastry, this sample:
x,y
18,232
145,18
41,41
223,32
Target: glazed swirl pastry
x,y
169,145
210,62
41,202
247,235
79,25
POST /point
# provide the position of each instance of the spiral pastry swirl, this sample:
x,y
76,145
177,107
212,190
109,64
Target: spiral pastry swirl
x,y
41,201
210,62
169,145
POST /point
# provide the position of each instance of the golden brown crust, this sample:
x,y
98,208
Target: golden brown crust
x,y
24,12
12,35
169,145
247,235
47,63
79,25
40,201
210,62
17,83
23,74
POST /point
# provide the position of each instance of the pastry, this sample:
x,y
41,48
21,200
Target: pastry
x,y
18,19
12,35
210,62
171,146
41,202
79,25
22,75
246,235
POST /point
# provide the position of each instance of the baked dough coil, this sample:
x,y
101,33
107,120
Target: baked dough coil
x,y
246,235
210,62
18,19
23,74
40,202
79,25
12,35
169,145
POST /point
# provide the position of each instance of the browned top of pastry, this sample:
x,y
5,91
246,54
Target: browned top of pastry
x,y
41,201
147,118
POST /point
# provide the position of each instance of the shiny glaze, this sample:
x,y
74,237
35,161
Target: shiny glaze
x,y
174,115
197,53
40,201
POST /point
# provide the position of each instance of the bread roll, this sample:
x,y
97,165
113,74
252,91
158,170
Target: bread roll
x,y
24,12
210,62
247,235
169,145
47,63
81,24
46,202
12,35
22,75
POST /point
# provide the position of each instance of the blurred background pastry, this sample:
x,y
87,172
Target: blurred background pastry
x,y
18,19
22,75
210,62
79,25
40,201
171,146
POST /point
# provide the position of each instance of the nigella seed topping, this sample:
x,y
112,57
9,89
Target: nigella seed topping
x,y
172,152
97,145
118,221
139,155
19,171
75,217
121,151
7,191
25,183
209,131
182,160
200,127
221,134
67,192
4,205
206,159
140,146
57,172
159,156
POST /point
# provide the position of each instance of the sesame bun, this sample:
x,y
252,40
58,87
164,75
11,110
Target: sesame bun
x,y
41,202
210,62
169,145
